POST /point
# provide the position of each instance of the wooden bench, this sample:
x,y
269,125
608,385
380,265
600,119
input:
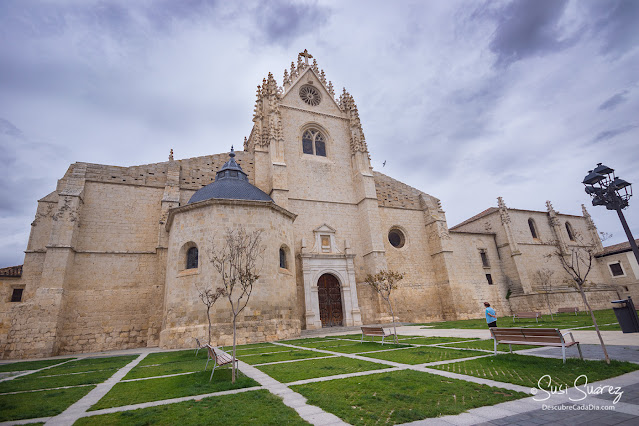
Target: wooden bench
x,y
535,315
561,310
219,358
533,336
376,331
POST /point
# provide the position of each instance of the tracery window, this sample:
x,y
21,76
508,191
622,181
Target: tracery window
x,y
313,142
192,258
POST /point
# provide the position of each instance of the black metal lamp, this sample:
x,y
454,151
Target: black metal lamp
x,y
608,190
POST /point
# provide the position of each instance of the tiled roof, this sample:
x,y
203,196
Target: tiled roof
x,y
617,248
486,212
11,271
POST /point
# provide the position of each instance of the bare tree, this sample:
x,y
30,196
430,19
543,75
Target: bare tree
x,y
577,261
209,296
237,262
544,279
384,282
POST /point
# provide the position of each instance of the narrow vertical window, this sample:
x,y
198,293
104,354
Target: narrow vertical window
x,y
192,258
533,228
320,146
307,142
484,259
489,278
571,234
283,258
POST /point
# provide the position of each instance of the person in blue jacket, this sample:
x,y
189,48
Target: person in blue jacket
x,y
491,315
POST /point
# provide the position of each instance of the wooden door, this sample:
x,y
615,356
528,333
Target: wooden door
x,y
330,301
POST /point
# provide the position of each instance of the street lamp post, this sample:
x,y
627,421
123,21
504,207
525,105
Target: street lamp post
x,y
608,190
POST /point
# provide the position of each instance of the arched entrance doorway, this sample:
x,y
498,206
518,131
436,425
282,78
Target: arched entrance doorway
x,y
330,301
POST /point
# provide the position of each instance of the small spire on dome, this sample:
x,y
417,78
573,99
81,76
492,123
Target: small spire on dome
x,y
171,155
232,153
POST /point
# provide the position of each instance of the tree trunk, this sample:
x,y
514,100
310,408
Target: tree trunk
x,y
548,303
393,315
234,340
594,321
208,315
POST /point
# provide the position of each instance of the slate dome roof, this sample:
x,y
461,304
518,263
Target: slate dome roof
x,y
231,183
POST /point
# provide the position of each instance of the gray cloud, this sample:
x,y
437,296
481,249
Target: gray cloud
x,y
282,21
616,99
615,25
529,28
609,134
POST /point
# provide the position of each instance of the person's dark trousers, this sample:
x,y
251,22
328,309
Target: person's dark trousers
x,y
492,324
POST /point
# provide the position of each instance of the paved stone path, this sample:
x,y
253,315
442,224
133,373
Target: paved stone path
x,y
559,409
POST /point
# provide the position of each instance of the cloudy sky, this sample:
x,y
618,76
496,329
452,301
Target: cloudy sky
x,y
464,100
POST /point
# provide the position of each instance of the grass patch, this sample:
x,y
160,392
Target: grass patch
x,y
489,345
321,367
30,365
309,340
289,355
252,351
172,387
562,321
29,382
400,397
421,355
527,370
435,340
88,365
161,364
39,404
349,346
257,407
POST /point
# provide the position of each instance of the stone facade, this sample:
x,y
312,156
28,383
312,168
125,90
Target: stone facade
x,y
105,265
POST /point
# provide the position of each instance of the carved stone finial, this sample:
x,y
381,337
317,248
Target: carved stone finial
x,y
171,155
549,207
306,56
503,210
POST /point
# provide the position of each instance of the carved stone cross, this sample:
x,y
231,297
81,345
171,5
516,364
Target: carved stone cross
x,y
306,56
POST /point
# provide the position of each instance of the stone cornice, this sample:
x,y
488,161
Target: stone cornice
x,y
224,202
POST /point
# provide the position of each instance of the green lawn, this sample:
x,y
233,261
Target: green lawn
x,y
289,355
29,382
563,321
435,340
254,407
32,405
30,365
422,355
350,347
87,365
527,370
172,387
320,367
489,345
400,397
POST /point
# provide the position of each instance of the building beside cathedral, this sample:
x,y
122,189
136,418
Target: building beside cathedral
x,y
116,254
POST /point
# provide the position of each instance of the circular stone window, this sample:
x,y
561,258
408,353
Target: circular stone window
x,y
396,238
310,95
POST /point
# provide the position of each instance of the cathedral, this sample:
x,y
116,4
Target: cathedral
x,y
116,254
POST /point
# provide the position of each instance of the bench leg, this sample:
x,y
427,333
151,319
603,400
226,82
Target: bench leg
x,y
510,347
495,340
563,353
207,363
214,365
579,349
362,341
383,337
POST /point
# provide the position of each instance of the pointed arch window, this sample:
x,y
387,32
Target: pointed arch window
x,y
314,142
533,228
570,232
192,258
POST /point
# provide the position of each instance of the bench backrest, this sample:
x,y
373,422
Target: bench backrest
x,y
541,335
219,355
528,314
377,331
568,310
